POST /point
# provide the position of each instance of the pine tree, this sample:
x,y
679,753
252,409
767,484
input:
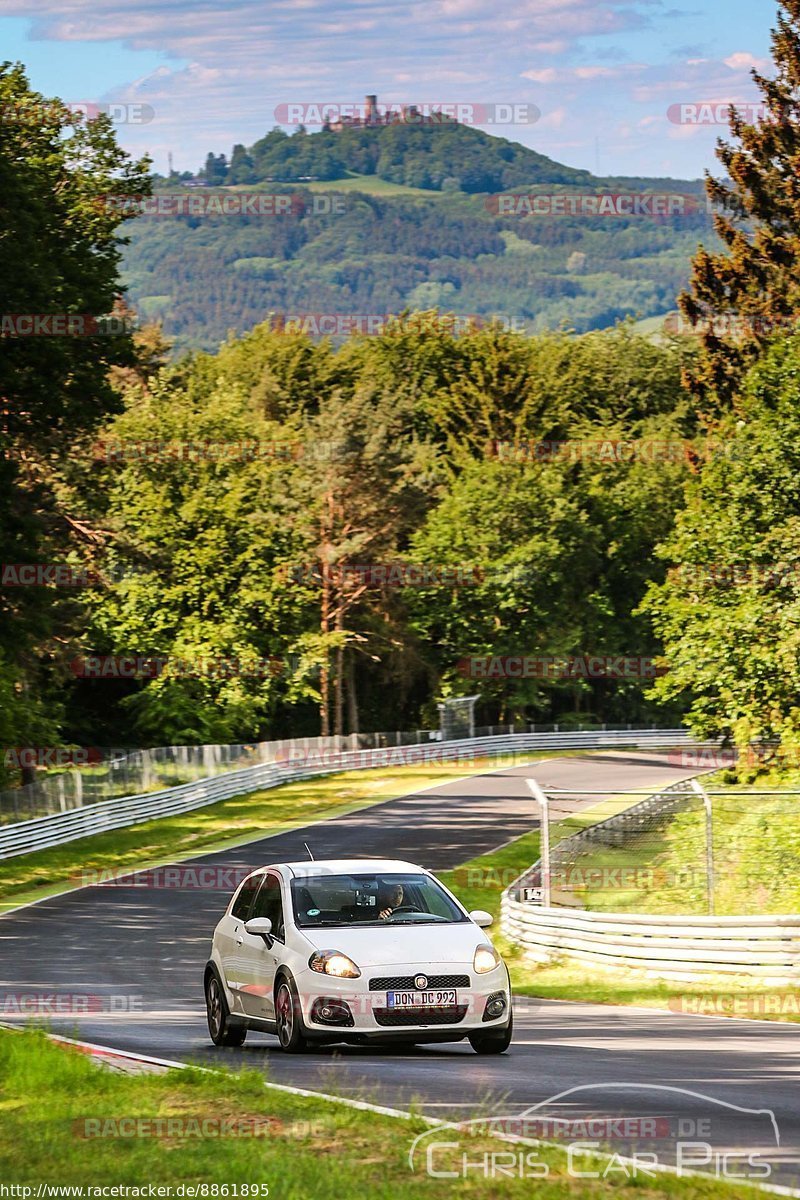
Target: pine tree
x,y
740,296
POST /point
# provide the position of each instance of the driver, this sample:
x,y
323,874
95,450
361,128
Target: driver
x,y
390,897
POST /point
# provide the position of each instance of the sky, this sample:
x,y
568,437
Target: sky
x,y
607,85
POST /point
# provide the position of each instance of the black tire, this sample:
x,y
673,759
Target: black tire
x,y
223,1029
289,1017
495,1042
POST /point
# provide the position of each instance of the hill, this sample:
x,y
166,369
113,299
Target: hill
x,y
404,218
445,156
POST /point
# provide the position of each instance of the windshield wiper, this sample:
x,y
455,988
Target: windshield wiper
x,y
429,921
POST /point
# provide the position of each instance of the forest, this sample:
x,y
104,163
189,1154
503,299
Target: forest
x,y
283,533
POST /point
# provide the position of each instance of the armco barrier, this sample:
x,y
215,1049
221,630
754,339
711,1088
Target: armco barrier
x,y
53,830
676,948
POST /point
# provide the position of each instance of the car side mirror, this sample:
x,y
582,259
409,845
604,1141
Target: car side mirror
x,y
481,918
260,927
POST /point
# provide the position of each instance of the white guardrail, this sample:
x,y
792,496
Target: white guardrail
x,y
679,948
57,828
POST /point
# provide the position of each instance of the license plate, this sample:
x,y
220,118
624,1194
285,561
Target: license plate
x,y
430,999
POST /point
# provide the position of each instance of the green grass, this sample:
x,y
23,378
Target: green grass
x,y
228,823
51,1097
722,996
370,185
756,842
480,882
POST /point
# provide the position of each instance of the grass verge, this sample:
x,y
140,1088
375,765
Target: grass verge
x,y
62,1117
663,869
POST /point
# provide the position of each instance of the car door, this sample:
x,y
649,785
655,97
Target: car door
x,y
229,937
260,961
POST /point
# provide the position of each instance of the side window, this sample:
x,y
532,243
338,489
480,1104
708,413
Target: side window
x,y
243,902
269,903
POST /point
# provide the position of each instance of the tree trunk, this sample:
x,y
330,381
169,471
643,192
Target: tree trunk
x,y
324,674
324,625
338,694
352,697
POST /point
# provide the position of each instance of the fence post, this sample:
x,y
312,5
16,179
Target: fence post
x,y
704,796
544,849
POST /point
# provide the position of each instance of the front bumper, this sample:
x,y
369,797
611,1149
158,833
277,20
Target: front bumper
x,y
357,1009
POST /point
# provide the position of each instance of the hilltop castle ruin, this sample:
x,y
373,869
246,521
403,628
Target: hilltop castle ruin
x,y
373,118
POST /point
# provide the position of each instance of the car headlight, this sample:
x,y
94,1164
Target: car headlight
x,y
486,959
333,962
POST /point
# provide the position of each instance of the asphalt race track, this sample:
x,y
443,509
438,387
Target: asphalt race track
x,y
142,950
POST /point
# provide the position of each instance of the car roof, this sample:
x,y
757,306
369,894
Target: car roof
x,y
348,866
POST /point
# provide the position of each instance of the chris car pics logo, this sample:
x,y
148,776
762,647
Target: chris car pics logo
x,y
610,1130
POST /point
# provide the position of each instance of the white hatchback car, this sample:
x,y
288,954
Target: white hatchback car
x,y
355,950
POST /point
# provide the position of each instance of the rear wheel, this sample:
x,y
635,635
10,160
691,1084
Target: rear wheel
x,y
495,1041
223,1029
289,1018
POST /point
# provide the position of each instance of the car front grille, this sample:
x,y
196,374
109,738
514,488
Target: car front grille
x,y
420,1016
393,983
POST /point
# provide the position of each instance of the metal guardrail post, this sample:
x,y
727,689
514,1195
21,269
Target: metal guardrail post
x,y
544,804
704,796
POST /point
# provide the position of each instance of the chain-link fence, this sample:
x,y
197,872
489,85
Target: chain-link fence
x,y
113,774
687,850
135,772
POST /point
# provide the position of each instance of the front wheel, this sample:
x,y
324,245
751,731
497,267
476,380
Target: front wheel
x,y
224,1030
288,1018
494,1042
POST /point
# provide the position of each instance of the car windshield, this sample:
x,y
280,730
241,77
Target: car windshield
x,y
372,899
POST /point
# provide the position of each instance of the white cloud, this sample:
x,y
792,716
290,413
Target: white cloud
x,y
582,74
554,46
547,75
743,60
554,119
